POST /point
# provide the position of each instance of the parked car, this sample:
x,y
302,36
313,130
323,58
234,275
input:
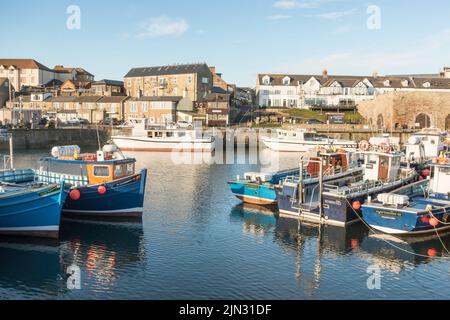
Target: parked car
x,y
109,121
185,125
77,121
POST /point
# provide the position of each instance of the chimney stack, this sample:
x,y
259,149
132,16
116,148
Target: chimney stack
x,y
325,73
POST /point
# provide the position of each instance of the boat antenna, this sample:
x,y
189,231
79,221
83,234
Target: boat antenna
x,y
98,138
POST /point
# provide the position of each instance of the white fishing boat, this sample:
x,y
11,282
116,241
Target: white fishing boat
x,y
425,145
304,140
163,139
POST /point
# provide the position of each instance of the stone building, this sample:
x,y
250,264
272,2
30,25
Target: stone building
x,y
4,91
217,110
192,80
408,110
158,110
107,88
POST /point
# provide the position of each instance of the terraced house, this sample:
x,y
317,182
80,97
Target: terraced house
x,y
194,81
321,91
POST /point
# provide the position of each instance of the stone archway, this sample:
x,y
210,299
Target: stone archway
x,y
380,121
447,123
423,121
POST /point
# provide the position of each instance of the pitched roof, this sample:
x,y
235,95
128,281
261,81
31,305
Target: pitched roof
x,y
62,69
217,97
395,82
23,64
112,99
165,98
78,84
167,70
108,83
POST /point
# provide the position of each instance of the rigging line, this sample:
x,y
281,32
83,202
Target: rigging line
x,y
393,245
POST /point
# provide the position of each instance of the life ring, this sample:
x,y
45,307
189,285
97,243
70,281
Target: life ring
x,y
90,157
364,145
385,147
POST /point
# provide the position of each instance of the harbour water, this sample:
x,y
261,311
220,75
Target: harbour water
x,y
196,241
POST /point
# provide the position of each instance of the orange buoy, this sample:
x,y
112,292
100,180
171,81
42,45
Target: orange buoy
x,y
355,244
434,222
432,252
102,190
425,220
75,195
356,205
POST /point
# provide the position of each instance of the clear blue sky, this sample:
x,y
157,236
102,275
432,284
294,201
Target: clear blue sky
x,y
240,37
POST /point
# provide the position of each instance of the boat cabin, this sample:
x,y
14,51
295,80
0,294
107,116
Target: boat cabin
x,y
440,183
300,134
86,169
332,162
430,139
381,166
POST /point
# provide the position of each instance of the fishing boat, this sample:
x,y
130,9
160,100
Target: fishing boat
x,y
259,188
304,140
418,209
340,203
163,139
425,145
29,208
102,184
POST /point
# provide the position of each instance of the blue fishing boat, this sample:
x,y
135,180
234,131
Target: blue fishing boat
x,y
418,209
340,203
103,184
29,208
259,188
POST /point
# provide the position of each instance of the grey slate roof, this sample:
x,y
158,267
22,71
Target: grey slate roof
x,y
167,70
166,98
108,83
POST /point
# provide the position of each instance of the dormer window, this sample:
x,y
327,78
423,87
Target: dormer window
x,y
286,81
387,83
405,83
266,80
426,84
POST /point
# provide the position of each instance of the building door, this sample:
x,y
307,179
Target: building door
x,y
383,169
423,121
380,121
447,123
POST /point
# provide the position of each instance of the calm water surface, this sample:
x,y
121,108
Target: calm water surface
x,y
196,241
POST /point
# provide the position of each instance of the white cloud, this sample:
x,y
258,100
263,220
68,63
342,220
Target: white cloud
x,y
279,17
336,14
163,26
293,4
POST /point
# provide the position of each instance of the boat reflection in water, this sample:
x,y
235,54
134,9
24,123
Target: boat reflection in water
x,y
99,248
316,247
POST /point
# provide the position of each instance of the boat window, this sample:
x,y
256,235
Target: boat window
x,y
396,162
118,170
130,168
308,136
158,134
101,171
169,134
181,134
150,134
371,159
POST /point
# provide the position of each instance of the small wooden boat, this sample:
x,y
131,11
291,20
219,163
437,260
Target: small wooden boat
x,y
29,208
102,184
259,188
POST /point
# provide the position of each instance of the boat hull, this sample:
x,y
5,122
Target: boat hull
x,y
33,214
337,209
267,195
154,145
405,221
123,198
305,146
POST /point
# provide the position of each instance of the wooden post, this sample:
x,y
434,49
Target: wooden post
x,y
321,190
11,152
300,188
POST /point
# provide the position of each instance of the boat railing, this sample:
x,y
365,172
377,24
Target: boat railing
x,y
51,177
